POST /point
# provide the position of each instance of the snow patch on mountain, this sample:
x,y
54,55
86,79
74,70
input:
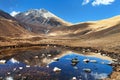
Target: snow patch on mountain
x,y
40,16
14,13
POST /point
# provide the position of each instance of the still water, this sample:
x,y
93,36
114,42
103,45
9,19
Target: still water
x,y
37,66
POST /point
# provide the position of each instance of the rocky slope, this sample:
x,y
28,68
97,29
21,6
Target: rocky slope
x,y
39,21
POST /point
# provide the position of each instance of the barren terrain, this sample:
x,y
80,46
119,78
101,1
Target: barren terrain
x,y
101,36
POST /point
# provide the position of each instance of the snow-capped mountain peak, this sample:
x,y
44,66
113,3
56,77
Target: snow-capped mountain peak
x,y
40,16
39,12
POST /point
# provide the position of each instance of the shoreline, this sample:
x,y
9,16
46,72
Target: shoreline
x,y
99,56
90,54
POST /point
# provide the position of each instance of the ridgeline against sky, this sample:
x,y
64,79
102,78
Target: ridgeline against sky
x,y
70,10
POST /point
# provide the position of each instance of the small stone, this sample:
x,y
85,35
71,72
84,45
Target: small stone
x,y
86,60
75,67
8,72
2,61
20,67
47,66
93,61
87,70
99,53
27,66
56,59
19,74
74,78
56,69
14,69
49,55
36,56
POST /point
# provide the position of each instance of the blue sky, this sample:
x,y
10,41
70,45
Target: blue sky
x,y
70,10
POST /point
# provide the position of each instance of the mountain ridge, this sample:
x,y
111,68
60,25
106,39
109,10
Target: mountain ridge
x,y
86,28
40,19
10,27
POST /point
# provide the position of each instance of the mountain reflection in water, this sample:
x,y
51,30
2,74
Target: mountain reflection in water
x,y
39,65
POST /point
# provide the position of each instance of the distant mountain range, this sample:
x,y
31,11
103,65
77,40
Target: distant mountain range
x,y
41,21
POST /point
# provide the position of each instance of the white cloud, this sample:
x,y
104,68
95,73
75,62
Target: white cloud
x,y
85,2
99,76
102,2
14,60
13,13
98,2
9,78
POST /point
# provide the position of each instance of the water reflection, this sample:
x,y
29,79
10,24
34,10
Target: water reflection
x,y
82,70
42,65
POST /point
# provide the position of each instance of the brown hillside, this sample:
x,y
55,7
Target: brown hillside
x,y
90,29
104,34
11,28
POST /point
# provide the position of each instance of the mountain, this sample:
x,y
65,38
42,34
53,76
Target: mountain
x,y
9,27
103,34
6,15
41,19
90,29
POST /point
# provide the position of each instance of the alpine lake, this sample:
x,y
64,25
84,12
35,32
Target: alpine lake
x,y
53,64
